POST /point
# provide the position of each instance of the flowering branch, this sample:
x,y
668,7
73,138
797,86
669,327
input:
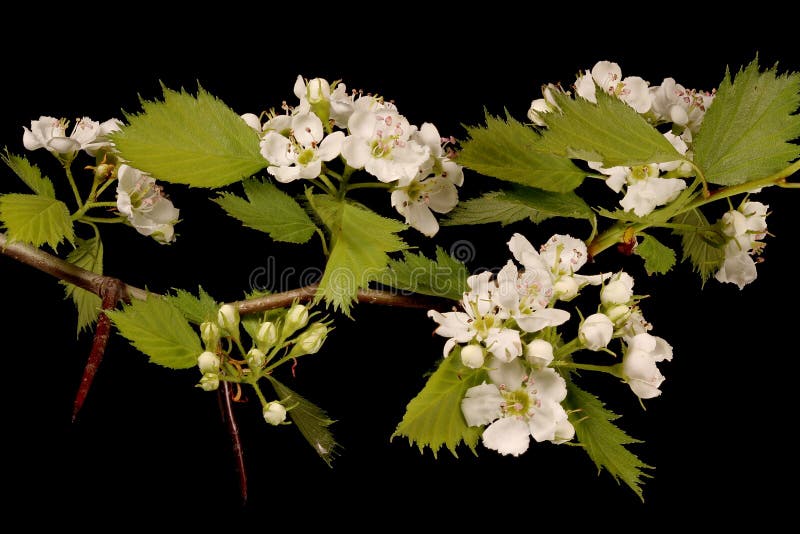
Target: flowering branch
x,y
95,283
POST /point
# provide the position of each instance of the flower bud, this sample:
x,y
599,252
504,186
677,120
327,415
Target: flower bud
x,y
618,314
274,413
566,288
472,356
266,336
210,333
318,90
228,319
209,382
619,290
255,358
208,362
310,341
596,331
296,318
539,353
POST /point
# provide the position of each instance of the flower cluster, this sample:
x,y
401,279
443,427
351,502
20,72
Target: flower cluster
x,y
368,133
508,329
139,198
646,187
744,229
280,336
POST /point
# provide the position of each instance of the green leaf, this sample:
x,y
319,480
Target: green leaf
x,y
702,246
747,132
504,149
610,132
360,241
658,258
197,141
520,203
88,254
36,219
196,309
311,421
158,329
30,174
268,209
433,418
443,277
603,441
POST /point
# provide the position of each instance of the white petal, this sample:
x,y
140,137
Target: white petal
x,y
481,404
355,151
300,88
276,149
606,74
331,146
504,344
30,141
564,432
507,436
251,119
586,88
62,145
453,324
548,384
518,245
508,374
543,318
542,424
362,124
442,194
637,94
284,174
307,129
310,171
429,136
420,217
453,172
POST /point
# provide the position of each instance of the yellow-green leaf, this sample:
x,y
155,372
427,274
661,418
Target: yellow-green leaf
x,y
88,254
36,219
30,174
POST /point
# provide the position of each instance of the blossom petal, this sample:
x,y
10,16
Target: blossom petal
x,y
518,245
543,423
307,129
508,435
508,374
549,384
453,324
481,404
504,344
356,151
540,319
331,146
284,174
442,194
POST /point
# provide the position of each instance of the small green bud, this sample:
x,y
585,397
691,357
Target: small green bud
x,y
267,335
208,362
228,319
310,341
296,318
210,333
209,382
255,358
274,413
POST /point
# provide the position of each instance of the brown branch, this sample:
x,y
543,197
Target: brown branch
x,y
94,283
229,418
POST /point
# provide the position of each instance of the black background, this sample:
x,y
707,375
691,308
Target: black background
x,y
148,441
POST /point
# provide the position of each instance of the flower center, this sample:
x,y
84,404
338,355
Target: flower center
x,y
305,157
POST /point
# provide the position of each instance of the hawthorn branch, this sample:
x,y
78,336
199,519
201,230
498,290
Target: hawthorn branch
x,y
95,283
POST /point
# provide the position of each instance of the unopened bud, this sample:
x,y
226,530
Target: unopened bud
x,y
566,287
296,318
228,319
210,333
267,335
310,341
255,358
208,362
619,313
274,413
539,353
209,382
473,356
596,331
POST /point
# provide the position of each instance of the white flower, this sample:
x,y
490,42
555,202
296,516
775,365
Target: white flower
x,y
645,189
639,364
208,362
542,105
252,120
434,188
564,254
517,406
274,413
634,325
596,331
327,100
745,227
618,289
607,75
301,154
142,201
473,356
50,133
101,140
380,142
521,296
685,107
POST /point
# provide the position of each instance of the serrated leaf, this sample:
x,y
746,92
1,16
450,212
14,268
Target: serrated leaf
x,y
360,241
158,329
603,441
747,131
658,258
270,210
196,309
702,246
520,203
30,174
443,277
198,141
610,132
88,254
36,219
433,418
504,149
311,421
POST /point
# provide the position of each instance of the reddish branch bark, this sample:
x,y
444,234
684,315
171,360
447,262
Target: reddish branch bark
x,y
228,417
